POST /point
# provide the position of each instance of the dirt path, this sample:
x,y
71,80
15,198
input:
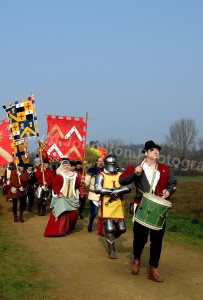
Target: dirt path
x,y
79,264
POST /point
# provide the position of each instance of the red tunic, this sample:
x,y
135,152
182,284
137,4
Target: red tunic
x,y
48,176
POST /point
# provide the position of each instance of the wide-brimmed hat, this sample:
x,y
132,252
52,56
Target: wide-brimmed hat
x,y
29,165
21,164
149,145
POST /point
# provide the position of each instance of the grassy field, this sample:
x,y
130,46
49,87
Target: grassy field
x,y
21,275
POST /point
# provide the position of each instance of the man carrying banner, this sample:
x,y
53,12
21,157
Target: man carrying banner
x,y
31,186
18,182
82,189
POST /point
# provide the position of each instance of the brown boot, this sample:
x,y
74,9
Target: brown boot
x,y
135,267
154,274
15,218
21,217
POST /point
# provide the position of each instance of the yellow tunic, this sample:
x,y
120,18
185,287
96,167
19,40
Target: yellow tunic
x,y
113,210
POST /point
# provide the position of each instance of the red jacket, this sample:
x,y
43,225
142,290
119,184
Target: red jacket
x,y
48,176
14,182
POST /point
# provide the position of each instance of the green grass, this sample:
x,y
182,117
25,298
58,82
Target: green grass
x,y
185,226
189,177
21,276
185,231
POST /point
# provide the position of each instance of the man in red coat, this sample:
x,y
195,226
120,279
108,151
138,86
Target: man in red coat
x,y
18,183
158,178
44,176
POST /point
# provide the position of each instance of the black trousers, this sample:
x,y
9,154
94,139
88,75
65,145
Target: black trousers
x,y
140,239
82,204
31,196
22,204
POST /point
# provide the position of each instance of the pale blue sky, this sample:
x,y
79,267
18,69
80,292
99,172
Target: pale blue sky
x,y
135,66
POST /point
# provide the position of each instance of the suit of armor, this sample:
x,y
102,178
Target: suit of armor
x,y
111,210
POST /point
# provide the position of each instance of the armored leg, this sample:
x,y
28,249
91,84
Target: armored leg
x,y
109,227
110,238
120,228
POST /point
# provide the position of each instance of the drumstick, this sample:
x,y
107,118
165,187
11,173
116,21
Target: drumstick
x,y
142,163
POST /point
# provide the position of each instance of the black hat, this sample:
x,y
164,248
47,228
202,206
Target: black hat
x,y
29,165
21,164
149,145
72,163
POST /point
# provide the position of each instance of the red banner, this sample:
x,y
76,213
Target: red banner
x,y
5,143
66,137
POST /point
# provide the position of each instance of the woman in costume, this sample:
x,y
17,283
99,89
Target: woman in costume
x,y
65,202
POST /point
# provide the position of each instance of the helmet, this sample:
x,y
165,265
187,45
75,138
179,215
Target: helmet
x,y
110,163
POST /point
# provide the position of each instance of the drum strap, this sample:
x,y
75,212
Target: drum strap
x,y
153,178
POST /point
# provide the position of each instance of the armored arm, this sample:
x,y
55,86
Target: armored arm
x,y
98,186
117,192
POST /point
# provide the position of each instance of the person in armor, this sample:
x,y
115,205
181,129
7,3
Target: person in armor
x,y
44,178
111,210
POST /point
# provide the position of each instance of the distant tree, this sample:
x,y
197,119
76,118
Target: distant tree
x,y
112,143
182,137
94,144
201,144
200,151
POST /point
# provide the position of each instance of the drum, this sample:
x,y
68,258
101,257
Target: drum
x,y
152,211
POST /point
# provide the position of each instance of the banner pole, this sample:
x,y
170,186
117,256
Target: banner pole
x,y
40,151
85,166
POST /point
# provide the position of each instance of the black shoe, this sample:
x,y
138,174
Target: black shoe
x,y
81,216
30,209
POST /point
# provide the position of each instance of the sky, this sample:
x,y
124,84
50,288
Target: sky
x,y
136,66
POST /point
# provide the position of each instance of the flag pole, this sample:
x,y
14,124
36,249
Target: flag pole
x,y
40,150
85,166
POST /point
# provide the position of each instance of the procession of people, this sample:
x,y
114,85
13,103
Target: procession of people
x,y
69,185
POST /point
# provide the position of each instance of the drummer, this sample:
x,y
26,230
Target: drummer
x,y
149,176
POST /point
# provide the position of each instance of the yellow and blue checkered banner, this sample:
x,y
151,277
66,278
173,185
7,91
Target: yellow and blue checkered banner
x,y
20,151
22,118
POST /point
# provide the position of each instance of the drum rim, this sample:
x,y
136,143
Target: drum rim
x,y
157,199
148,225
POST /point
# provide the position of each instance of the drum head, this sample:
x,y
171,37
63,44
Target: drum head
x,y
157,199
